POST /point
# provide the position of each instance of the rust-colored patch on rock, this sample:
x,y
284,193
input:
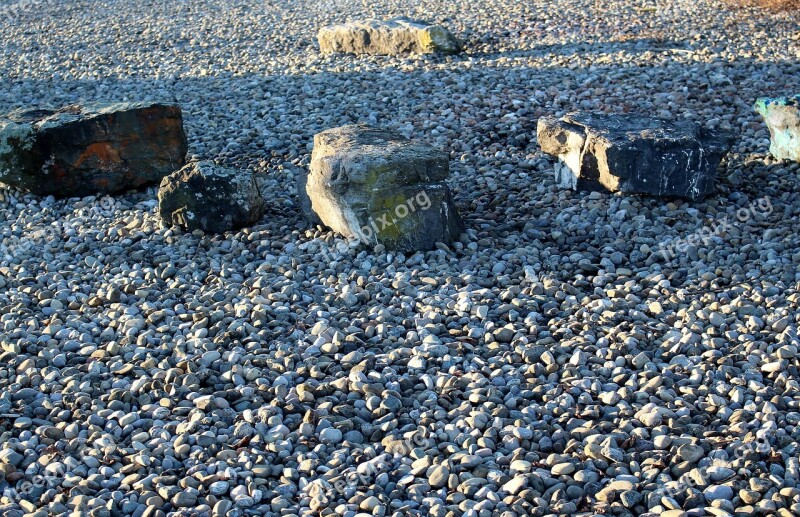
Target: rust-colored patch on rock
x,y
102,154
100,148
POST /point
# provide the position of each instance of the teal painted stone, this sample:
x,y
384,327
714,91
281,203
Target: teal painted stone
x,y
782,116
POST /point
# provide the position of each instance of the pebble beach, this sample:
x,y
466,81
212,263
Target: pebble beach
x,y
573,353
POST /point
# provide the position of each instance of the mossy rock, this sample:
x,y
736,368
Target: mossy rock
x,y
389,37
376,186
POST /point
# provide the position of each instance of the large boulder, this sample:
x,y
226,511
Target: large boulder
x,y
205,196
633,154
85,150
377,186
782,116
390,37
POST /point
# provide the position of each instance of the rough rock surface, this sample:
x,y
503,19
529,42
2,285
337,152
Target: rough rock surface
x,y
377,186
782,116
207,197
395,36
633,154
554,331
97,148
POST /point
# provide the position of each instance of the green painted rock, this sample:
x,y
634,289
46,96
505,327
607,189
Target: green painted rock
x,y
377,186
85,150
782,116
633,154
390,37
204,196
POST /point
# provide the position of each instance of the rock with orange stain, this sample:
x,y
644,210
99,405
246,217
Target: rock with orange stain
x,y
91,149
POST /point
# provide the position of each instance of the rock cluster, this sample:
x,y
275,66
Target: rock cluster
x,y
551,361
379,187
205,196
633,154
782,116
390,37
82,150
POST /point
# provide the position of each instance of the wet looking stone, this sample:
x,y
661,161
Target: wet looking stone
x,y
90,149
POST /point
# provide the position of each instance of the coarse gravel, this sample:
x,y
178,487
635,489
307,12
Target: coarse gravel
x,y
552,362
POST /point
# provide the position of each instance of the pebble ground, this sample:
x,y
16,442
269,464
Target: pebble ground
x,y
553,362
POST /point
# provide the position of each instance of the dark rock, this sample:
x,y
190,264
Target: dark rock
x,y
85,150
303,200
633,154
207,197
377,186
782,116
11,457
24,394
390,37
630,498
9,510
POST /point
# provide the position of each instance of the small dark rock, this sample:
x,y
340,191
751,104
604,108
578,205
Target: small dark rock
x,y
207,197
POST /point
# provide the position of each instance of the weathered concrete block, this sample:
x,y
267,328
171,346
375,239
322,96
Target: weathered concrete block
x,y
377,186
633,154
211,198
782,116
85,150
396,36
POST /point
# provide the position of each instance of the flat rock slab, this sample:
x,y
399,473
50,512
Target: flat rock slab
x,y
91,149
205,196
390,37
377,186
633,154
782,116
